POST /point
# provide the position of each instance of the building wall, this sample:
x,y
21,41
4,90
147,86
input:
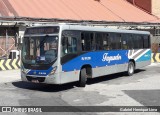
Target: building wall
x,y
151,6
144,4
156,7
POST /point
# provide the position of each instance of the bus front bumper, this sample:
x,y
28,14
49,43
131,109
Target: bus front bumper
x,y
50,79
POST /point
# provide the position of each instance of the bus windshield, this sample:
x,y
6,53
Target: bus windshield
x,y
40,50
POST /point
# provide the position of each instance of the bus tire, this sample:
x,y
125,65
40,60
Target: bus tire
x,y
131,68
82,78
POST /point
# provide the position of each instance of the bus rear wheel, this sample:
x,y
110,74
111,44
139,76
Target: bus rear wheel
x,y
131,68
83,78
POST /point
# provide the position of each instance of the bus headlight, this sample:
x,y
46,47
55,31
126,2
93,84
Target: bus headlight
x,y
53,70
25,71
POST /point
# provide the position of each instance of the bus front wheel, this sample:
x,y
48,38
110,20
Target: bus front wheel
x,y
83,78
131,68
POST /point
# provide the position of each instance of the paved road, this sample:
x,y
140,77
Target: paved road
x,y
142,89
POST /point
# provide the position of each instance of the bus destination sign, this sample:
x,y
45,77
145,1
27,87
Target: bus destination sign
x,y
43,30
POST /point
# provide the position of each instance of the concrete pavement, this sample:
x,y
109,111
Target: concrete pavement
x,y
9,76
141,89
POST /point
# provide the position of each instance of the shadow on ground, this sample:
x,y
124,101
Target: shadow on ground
x,y
145,97
43,87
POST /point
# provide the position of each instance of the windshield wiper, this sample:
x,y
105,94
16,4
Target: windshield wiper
x,y
42,42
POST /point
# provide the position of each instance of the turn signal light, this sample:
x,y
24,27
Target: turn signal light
x,y
53,70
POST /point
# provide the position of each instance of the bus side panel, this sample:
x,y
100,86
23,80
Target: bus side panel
x,y
71,76
100,71
142,64
142,57
114,61
104,63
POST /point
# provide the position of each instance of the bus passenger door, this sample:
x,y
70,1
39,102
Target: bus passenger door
x,y
70,46
70,50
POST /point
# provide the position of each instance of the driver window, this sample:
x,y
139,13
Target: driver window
x,y
69,45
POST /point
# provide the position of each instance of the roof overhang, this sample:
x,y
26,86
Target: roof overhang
x,y
27,21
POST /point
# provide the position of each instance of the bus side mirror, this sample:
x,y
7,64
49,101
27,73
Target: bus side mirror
x,y
18,41
19,44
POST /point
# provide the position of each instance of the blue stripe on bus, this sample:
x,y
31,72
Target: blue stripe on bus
x,y
40,72
97,59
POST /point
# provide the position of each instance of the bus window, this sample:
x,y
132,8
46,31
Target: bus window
x,y
130,41
146,41
119,39
69,45
124,41
99,41
141,42
138,41
92,41
87,41
115,41
106,42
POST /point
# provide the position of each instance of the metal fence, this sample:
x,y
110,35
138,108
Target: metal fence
x,y
7,43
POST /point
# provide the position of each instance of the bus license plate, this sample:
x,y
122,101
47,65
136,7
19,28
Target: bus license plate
x,y
35,81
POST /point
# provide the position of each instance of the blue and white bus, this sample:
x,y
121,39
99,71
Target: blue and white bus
x,y
62,53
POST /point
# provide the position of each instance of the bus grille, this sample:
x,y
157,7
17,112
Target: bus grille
x,y
40,79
